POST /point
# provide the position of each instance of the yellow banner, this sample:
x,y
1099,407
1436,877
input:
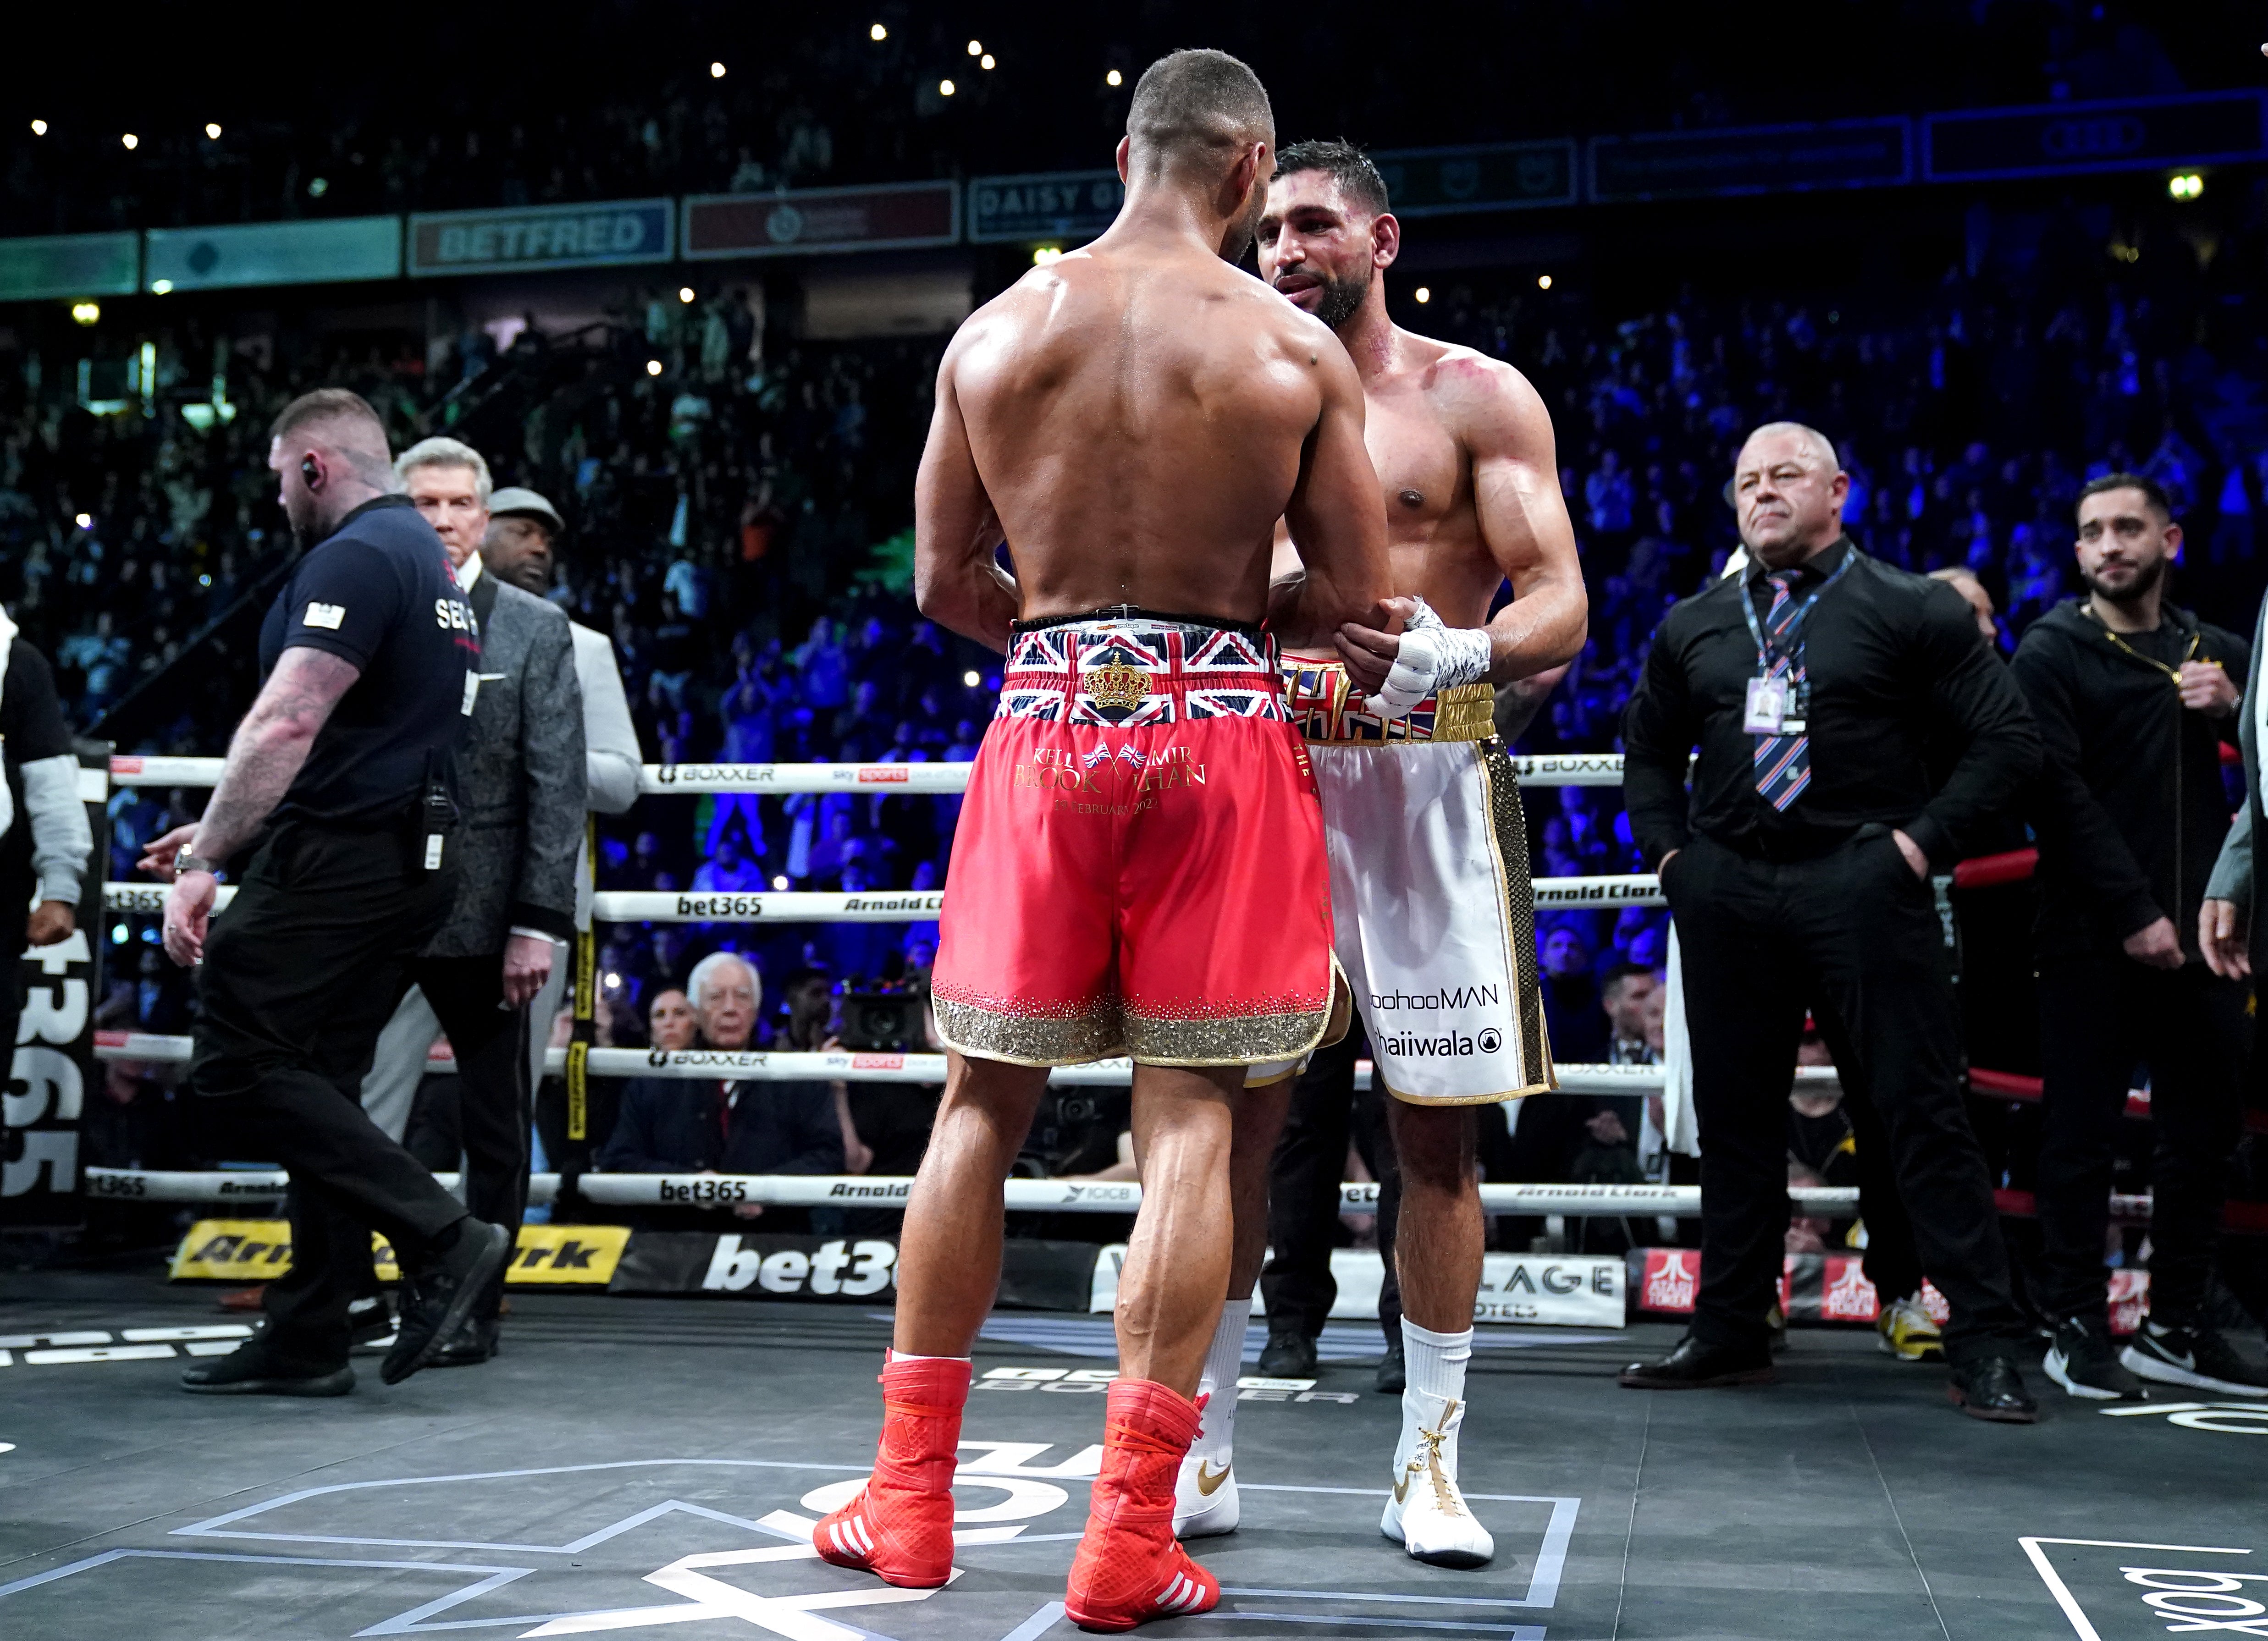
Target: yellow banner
x,y
258,1250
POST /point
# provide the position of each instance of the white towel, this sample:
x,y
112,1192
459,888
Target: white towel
x,y
1681,1126
7,644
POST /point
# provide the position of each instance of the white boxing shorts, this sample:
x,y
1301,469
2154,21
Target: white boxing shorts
x,y
1433,917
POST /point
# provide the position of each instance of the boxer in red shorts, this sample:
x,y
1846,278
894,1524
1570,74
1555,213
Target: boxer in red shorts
x,y
1138,868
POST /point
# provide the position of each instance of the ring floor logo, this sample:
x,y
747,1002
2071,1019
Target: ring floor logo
x,y
645,1545
2112,1589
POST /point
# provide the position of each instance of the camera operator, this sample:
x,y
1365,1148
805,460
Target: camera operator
x,y
2134,699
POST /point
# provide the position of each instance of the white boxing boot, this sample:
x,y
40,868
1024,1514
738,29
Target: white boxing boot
x,y
1205,1492
1427,1514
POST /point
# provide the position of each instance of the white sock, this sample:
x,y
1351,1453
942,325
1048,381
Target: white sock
x,y
1435,1366
896,1355
1224,1364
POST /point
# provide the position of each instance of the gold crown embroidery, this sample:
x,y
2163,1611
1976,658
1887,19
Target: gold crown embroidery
x,y
1118,684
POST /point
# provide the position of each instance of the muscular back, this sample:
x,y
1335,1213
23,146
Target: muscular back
x,y
1135,419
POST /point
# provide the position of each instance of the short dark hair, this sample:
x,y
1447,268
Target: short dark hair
x,y
1191,101
1620,972
1346,163
2153,492
326,404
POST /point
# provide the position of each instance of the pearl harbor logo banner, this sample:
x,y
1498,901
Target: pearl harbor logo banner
x,y
1760,159
891,216
552,236
1071,205
70,265
272,254
2067,139
1498,176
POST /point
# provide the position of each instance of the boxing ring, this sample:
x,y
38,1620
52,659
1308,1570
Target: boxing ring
x,y
639,1464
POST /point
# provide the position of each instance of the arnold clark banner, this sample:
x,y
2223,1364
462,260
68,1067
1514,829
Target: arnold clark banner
x,y
802,221
547,236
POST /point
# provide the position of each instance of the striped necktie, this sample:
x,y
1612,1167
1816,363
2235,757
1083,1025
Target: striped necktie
x,y
1783,763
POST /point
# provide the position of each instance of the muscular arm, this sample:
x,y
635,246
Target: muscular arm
x,y
957,582
1524,522
1337,517
269,746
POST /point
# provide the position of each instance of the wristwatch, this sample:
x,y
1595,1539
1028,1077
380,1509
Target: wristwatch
x,y
186,862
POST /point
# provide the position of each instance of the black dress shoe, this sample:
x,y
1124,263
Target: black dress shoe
x,y
1694,1366
1290,1354
1990,1389
474,1341
438,1298
252,1371
1393,1371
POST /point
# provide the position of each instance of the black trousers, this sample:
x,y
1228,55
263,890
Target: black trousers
x,y
301,974
1303,1193
1892,1263
495,1102
1856,928
2102,1016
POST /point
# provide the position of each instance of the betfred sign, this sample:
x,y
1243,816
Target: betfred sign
x,y
550,236
805,222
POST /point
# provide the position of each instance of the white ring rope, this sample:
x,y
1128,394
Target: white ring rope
x,y
852,1190
850,1066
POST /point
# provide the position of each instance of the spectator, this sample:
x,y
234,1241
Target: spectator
x,y
1573,1019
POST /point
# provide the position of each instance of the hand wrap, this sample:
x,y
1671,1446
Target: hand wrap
x,y
1434,656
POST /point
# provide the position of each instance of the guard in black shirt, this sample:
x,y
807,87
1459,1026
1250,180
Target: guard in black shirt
x,y
1815,685
335,794
2135,699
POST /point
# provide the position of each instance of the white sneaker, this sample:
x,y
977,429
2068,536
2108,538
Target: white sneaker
x,y
1205,1497
1426,1514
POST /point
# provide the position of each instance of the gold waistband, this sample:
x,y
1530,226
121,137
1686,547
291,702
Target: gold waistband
x,y
1327,708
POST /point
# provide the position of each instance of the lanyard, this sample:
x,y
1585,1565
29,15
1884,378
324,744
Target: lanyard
x,y
1795,623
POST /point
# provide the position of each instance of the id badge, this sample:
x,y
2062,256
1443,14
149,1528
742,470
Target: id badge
x,y
1767,710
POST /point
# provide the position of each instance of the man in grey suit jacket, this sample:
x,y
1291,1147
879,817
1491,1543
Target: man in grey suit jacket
x,y
520,779
2231,931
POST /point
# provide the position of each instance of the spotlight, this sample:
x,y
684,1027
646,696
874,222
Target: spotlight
x,y
716,70
132,140
212,130
945,88
975,47
2186,185
1045,254
878,33
85,521
1544,282
161,287
987,62
971,679
1114,78
39,128
320,186
87,312
685,293
1424,293
780,882
653,367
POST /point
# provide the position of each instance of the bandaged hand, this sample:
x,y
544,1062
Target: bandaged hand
x,y
1429,657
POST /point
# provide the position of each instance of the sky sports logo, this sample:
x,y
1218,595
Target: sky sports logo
x,y
1450,1046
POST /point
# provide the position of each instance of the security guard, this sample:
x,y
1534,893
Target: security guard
x,y
337,794
1815,683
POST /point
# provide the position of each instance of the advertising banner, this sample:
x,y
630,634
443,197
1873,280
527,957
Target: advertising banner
x,y
1073,205
804,222
55,1071
549,236
2053,139
259,1250
1498,176
70,265
272,254
1760,159
1035,1274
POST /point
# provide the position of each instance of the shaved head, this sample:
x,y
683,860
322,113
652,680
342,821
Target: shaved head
x,y
1788,490
329,450
1199,109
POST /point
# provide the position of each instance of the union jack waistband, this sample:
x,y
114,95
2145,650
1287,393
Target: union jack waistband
x,y
1130,673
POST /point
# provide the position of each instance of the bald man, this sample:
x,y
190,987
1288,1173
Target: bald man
x,y
1816,685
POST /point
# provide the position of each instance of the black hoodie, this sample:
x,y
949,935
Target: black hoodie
x,y
2129,809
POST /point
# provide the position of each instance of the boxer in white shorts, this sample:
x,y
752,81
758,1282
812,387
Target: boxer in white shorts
x,y
1428,853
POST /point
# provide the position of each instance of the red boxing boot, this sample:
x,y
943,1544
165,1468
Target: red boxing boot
x,y
1128,1569
900,1526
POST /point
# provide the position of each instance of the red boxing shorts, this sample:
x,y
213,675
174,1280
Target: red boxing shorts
x,y
1139,865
